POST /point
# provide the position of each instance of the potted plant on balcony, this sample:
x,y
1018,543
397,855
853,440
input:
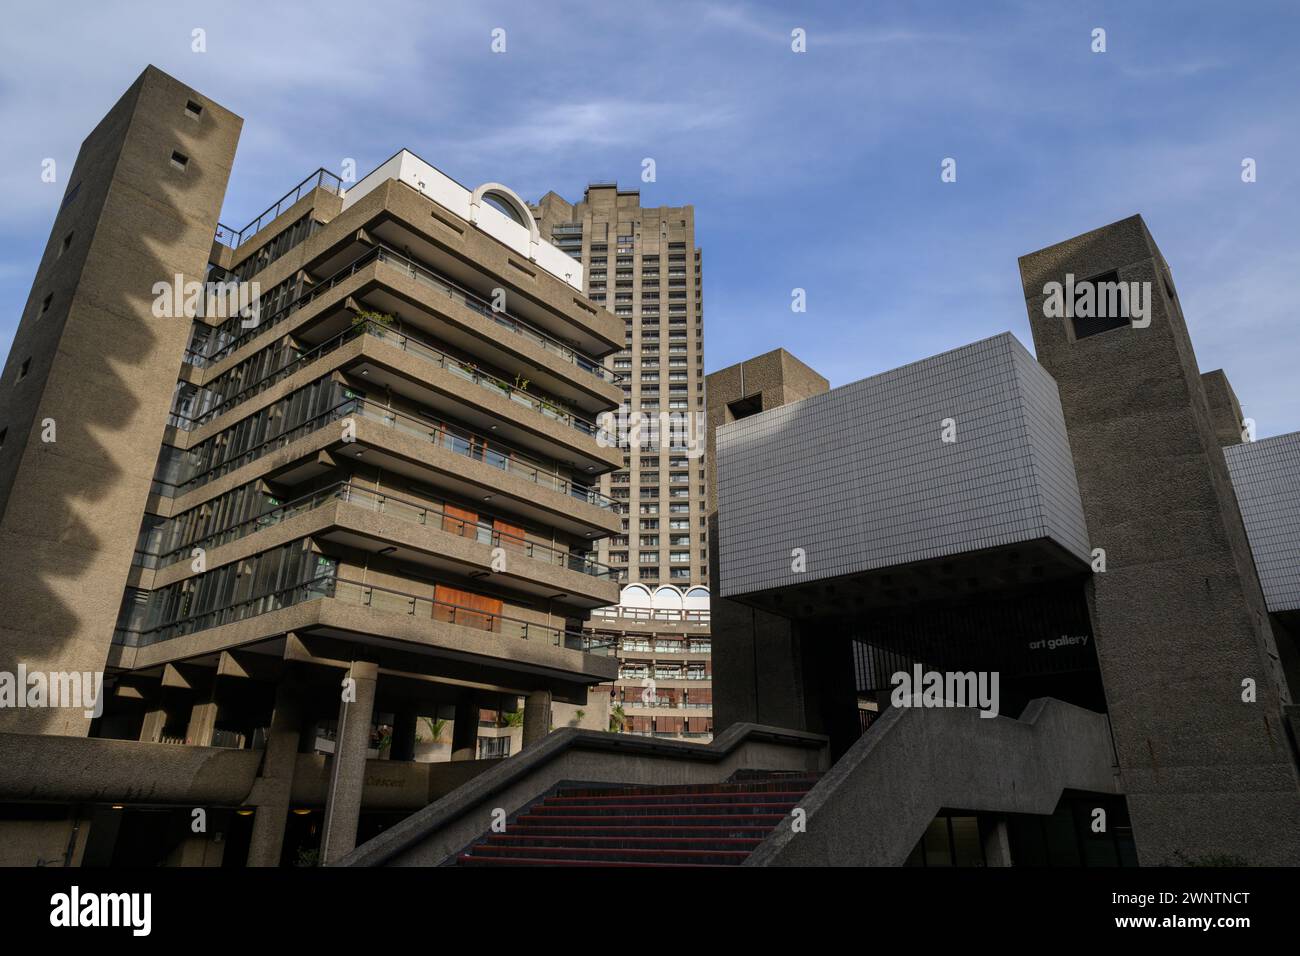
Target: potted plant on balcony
x,y
374,323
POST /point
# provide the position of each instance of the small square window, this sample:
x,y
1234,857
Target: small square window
x,y
3,433
180,160
193,110
67,243
24,369
45,305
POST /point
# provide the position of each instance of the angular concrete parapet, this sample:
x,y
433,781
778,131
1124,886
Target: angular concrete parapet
x,y
876,802
434,834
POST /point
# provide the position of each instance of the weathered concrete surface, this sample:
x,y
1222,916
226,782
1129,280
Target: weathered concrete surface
x,y
876,802
429,837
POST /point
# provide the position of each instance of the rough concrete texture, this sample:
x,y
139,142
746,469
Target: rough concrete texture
x,y
750,647
1179,616
874,805
98,362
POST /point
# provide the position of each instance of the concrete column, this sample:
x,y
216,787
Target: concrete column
x,y
403,745
537,717
197,850
203,722
155,720
274,784
348,766
464,728
997,845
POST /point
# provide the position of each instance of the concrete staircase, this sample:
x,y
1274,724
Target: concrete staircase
x,y
687,825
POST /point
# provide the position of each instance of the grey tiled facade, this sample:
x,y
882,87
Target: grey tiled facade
x,y
867,481
1266,477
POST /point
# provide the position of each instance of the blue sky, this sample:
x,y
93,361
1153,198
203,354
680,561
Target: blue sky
x,y
816,170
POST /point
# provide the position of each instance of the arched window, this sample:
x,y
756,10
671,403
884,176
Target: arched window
x,y
635,595
500,203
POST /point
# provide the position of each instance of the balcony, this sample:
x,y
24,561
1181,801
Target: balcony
x,y
458,441
358,594
666,615
321,179
426,277
389,505
412,346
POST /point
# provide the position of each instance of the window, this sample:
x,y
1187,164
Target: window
x,y
67,243
1096,323
24,369
3,433
180,160
193,110
45,305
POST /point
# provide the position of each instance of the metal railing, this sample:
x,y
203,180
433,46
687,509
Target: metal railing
x,y
322,178
651,614
430,278
387,504
364,595
423,273
459,441
411,346
400,602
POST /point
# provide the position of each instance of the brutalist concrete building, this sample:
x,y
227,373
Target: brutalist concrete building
x,y
307,540
357,510
1072,523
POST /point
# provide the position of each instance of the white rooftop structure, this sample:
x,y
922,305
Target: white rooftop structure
x,y
492,207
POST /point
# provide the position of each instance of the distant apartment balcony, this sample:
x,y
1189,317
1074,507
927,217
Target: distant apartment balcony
x,y
665,615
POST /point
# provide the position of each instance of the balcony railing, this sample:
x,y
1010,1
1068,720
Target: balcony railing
x,y
411,346
459,441
423,274
388,505
667,615
427,277
365,595
322,178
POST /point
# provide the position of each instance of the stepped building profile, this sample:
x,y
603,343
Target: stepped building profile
x,y
361,508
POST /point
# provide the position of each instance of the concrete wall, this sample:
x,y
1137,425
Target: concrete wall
x,y
1179,618
71,508
874,805
751,648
